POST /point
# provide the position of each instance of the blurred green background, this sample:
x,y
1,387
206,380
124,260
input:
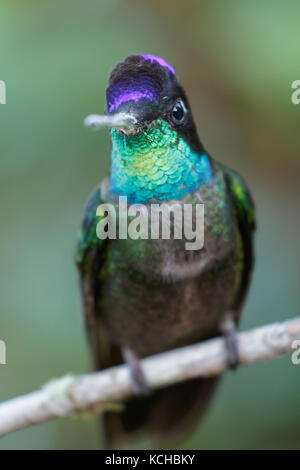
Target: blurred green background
x,y
237,60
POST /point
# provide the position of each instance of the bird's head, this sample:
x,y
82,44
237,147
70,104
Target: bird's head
x,y
152,128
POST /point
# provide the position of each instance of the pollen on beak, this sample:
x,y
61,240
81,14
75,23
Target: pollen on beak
x,y
126,122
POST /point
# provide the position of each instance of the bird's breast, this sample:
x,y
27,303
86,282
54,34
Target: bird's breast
x,y
157,294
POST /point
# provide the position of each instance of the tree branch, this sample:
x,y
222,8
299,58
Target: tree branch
x,y
103,390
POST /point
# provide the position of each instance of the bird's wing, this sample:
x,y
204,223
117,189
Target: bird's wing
x,y
244,211
91,253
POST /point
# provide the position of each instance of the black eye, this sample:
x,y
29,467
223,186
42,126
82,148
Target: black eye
x,y
178,111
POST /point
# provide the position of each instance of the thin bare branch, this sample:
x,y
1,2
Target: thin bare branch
x,y
98,391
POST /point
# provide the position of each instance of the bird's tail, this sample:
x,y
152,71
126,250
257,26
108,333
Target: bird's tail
x,y
167,414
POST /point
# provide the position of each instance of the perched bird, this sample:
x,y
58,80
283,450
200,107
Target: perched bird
x,y
145,296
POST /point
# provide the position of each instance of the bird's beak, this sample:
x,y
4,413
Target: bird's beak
x,y
126,122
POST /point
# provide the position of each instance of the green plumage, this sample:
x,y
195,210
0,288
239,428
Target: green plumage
x,y
155,163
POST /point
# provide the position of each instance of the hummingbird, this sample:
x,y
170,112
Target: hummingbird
x,y
145,296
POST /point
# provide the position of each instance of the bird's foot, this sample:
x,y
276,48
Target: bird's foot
x,y
229,332
139,382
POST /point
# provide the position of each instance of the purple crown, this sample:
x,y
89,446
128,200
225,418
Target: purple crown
x,y
136,78
160,61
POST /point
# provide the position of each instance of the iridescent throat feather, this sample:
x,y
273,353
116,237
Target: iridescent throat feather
x,y
155,164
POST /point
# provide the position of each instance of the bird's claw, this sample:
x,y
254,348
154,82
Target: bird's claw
x,y
228,328
139,382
